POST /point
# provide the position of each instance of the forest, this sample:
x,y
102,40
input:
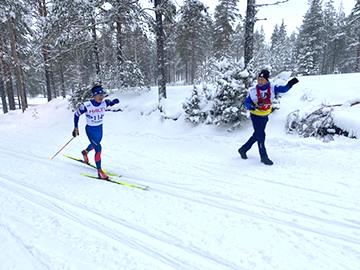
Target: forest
x,y
59,48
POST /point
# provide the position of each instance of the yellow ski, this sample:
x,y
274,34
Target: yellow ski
x,y
92,165
115,181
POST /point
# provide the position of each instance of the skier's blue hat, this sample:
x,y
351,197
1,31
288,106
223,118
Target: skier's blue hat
x,y
97,90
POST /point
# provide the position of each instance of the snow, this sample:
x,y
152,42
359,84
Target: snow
x,y
206,208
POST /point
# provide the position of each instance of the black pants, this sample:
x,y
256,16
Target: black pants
x,y
259,124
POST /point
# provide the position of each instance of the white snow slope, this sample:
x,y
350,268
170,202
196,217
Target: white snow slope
x,y
205,208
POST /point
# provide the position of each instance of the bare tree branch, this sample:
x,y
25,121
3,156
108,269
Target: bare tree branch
x,y
273,4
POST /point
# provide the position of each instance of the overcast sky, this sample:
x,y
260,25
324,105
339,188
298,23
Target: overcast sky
x,y
292,12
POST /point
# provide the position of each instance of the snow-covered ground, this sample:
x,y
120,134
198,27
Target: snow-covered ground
x,y
205,208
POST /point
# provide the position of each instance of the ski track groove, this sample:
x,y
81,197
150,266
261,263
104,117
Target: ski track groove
x,y
216,203
167,259
25,248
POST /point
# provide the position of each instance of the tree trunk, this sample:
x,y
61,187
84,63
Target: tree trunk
x,y
357,68
160,50
192,76
19,83
23,86
45,51
2,94
7,77
249,31
62,86
119,49
9,86
95,47
53,84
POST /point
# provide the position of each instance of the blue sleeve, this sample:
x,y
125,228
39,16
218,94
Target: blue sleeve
x,y
248,102
77,114
282,88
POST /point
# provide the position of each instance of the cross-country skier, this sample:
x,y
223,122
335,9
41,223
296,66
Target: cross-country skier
x,y
94,110
258,101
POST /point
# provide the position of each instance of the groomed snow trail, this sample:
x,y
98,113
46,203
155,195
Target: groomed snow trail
x,y
206,208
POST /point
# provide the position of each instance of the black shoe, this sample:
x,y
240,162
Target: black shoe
x,y
266,161
242,153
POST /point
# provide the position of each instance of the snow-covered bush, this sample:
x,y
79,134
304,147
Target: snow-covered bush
x,y
225,104
198,107
230,93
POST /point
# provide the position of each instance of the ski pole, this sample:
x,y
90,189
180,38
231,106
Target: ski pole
x,y
62,148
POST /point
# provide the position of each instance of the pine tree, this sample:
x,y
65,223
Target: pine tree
x,y
261,53
311,40
81,93
354,38
275,47
225,17
338,61
73,53
237,43
280,49
292,49
196,107
330,37
191,36
230,93
15,30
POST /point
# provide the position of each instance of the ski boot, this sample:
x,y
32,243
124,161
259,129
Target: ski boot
x,y
102,175
85,155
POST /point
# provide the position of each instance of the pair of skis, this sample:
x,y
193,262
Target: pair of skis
x,y
110,179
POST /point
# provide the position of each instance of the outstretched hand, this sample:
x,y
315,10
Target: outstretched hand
x,y
292,82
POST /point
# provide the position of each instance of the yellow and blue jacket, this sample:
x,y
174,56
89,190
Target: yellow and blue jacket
x,y
259,98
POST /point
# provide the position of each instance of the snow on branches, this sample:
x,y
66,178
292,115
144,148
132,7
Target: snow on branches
x,y
323,123
225,105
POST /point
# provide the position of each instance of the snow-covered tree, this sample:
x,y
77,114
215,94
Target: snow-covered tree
x,y
339,43
237,43
225,17
311,40
280,49
15,30
330,36
261,54
354,38
197,107
230,93
192,36
81,93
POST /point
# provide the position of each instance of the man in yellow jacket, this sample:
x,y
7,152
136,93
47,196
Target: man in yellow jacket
x,y
259,102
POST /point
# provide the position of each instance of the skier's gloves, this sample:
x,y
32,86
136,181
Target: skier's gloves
x,y
75,132
292,82
114,101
